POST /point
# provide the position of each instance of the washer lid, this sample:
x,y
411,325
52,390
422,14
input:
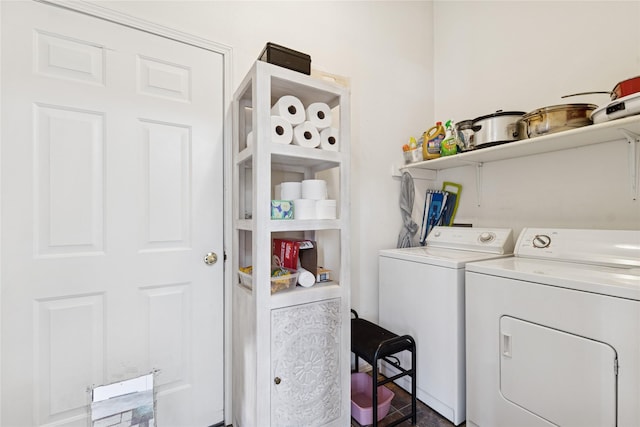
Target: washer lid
x,y
622,282
448,258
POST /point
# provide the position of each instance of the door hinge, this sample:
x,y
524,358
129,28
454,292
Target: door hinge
x,y
615,367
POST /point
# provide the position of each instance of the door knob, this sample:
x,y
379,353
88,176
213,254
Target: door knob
x,y
211,258
277,380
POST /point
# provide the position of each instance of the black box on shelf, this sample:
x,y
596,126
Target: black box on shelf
x,y
287,58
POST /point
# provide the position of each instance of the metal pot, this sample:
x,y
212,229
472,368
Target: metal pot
x,y
497,128
557,118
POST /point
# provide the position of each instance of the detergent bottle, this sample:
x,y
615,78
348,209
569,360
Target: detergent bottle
x,y
432,140
449,145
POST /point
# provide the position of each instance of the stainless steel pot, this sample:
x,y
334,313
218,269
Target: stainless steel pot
x,y
497,128
557,118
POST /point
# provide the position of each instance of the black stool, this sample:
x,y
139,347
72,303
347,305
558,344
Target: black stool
x,y
373,343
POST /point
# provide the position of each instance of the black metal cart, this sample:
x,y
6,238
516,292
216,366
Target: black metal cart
x,y
373,343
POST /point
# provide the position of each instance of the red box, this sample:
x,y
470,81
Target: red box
x,y
285,253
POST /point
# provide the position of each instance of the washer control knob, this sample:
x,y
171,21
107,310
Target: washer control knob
x,y
541,241
486,237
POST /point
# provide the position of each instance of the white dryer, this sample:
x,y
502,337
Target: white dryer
x,y
421,293
553,333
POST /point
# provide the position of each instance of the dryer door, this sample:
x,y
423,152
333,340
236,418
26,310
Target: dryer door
x,y
566,379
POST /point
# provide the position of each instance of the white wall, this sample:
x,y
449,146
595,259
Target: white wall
x,y
384,47
523,56
412,63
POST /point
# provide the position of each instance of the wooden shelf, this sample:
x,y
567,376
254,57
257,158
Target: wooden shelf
x,y
580,137
300,295
286,82
287,156
305,225
268,328
278,225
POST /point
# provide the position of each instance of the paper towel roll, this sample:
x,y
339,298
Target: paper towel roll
x,y
250,139
306,135
281,130
319,114
290,191
326,209
315,189
329,139
290,108
306,278
304,209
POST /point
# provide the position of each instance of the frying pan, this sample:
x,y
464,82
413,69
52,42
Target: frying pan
x,y
622,89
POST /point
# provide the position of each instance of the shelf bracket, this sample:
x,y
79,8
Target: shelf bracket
x,y
416,173
633,140
479,183
478,166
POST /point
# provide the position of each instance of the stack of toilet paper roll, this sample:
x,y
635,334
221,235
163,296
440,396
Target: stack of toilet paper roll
x,y
308,127
309,199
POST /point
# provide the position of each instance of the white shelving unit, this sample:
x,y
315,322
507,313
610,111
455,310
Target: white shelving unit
x,y
291,349
627,129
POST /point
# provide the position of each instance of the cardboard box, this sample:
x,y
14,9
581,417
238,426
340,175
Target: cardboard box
x,y
309,255
281,209
323,275
286,252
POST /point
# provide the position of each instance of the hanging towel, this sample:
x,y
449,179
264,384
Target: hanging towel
x,y
409,226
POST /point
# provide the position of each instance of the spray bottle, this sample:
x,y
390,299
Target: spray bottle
x,y
449,145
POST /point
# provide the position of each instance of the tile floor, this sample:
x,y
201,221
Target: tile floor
x,y
401,405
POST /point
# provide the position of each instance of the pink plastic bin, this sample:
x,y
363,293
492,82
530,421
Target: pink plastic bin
x,y
361,406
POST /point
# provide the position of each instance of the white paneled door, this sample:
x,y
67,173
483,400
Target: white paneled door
x,y
111,178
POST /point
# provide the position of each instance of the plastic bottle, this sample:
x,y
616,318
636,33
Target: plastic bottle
x,y
433,138
449,145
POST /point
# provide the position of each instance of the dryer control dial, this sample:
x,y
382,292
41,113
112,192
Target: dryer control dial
x,y
486,237
541,241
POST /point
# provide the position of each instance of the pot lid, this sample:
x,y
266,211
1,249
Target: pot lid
x,y
560,107
464,124
500,113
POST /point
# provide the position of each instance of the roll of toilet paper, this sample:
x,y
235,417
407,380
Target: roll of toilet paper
x,y
329,139
290,108
306,135
305,277
319,114
326,209
281,130
290,191
250,139
304,209
315,189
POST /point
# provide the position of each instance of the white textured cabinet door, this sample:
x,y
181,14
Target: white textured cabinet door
x,y
305,362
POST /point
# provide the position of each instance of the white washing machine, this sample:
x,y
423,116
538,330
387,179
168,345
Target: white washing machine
x,y
553,333
422,294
